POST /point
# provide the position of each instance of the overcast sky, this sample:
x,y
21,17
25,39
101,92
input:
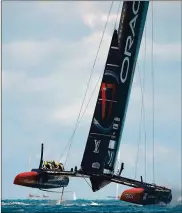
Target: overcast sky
x,y
48,50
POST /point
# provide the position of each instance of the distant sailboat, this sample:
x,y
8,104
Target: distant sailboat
x,y
74,196
45,196
33,196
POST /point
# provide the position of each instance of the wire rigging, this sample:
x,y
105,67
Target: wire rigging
x,y
153,104
78,121
141,115
142,111
139,137
145,134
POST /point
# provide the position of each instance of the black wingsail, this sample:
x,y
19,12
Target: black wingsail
x,y
109,116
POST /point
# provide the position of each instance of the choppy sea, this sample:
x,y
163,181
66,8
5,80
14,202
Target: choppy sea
x,y
82,206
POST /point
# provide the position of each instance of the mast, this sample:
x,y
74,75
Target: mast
x,y
108,120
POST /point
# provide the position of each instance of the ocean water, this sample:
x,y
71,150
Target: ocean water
x,y
82,206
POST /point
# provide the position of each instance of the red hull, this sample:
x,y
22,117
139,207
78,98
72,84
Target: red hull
x,y
133,195
41,180
144,196
26,178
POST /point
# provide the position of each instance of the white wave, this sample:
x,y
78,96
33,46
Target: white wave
x,y
59,202
15,203
162,204
95,204
180,199
69,205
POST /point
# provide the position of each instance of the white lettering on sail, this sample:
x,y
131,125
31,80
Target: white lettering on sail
x,y
112,144
134,3
110,158
126,59
115,126
132,25
117,119
129,42
129,39
97,143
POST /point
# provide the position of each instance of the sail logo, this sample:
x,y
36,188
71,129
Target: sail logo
x,y
115,126
96,165
97,143
129,196
110,158
129,42
105,87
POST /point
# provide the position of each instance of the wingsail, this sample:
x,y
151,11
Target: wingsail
x,y
108,120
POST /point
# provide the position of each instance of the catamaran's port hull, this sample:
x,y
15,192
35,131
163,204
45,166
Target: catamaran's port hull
x,y
142,196
41,180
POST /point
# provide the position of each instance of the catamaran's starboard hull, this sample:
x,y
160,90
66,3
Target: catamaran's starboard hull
x,y
143,196
40,179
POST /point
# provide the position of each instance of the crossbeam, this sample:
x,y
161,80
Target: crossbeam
x,y
112,178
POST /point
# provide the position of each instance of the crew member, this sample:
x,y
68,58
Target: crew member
x,y
61,167
54,164
46,165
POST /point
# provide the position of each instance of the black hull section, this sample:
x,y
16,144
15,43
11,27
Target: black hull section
x,y
48,181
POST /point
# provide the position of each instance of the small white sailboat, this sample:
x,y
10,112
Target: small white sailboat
x,y
74,196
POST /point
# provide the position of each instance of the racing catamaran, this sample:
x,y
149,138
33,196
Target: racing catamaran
x,y
106,129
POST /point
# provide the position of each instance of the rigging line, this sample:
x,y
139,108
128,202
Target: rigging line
x,y
70,141
153,100
139,138
145,134
90,99
101,74
87,182
141,115
181,114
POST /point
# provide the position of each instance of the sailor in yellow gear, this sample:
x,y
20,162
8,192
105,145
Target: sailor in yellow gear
x,y
46,165
53,164
57,165
60,166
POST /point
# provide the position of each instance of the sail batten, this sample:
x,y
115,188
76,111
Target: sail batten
x,y
113,65
108,120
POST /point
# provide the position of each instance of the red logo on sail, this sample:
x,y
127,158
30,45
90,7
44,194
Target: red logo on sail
x,y
104,98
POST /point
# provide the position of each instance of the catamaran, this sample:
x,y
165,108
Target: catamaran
x,y
100,154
